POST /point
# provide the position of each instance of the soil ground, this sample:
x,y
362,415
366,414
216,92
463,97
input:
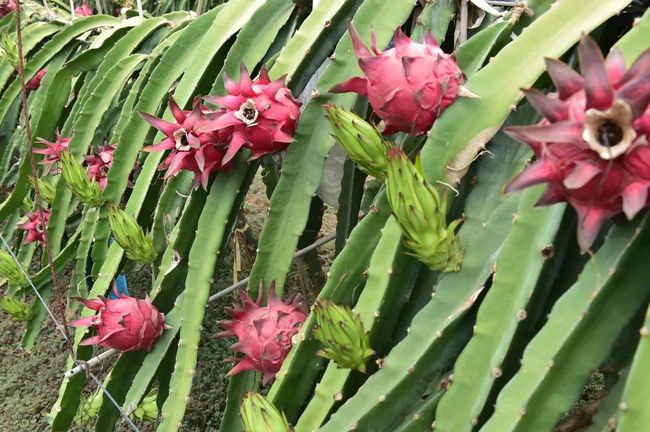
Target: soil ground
x,y
29,381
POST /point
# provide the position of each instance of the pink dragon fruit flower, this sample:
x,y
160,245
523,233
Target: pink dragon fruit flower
x,y
258,114
264,332
52,151
592,147
98,164
7,7
409,85
125,323
35,226
35,82
84,10
199,152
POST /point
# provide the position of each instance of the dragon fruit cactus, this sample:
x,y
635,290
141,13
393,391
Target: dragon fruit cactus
x,y
35,82
409,85
125,323
52,151
192,150
98,164
592,147
84,10
35,226
258,114
264,332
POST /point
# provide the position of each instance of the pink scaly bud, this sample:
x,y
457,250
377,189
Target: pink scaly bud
x,y
409,85
264,332
35,82
126,323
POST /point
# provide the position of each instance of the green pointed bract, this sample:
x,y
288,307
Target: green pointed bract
x,y
360,140
89,408
27,205
10,270
76,178
45,188
421,213
259,415
130,236
18,309
148,409
342,333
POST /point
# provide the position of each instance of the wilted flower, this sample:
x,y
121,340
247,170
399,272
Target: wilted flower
x,y
84,10
264,332
35,82
258,114
18,309
98,164
592,146
422,215
7,7
361,141
52,151
341,331
191,150
35,226
260,415
409,85
126,323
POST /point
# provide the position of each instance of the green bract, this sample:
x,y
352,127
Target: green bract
x,y
10,270
76,178
130,236
259,415
18,309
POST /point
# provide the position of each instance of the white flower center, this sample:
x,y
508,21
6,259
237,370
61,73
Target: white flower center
x,y
248,112
610,132
180,136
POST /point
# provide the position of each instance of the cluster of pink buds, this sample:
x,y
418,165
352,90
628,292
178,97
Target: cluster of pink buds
x,y
260,115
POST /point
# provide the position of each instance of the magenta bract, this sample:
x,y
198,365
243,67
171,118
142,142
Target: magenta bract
x,y
409,85
592,146
35,226
52,151
35,82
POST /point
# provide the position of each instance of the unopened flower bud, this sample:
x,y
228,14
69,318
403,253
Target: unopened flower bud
x,y
18,309
89,408
10,270
45,188
27,205
8,49
76,178
130,236
341,331
360,140
147,410
421,213
259,415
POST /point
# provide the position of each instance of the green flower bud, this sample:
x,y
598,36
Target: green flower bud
x,y
76,178
89,408
10,270
421,213
130,236
45,188
18,309
259,415
8,49
341,331
27,205
361,141
148,409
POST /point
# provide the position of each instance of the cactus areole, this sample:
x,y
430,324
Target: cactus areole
x,y
409,85
264,332
592,147
125,323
